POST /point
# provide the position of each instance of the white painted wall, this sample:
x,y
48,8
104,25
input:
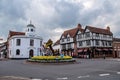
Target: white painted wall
x,y
24,47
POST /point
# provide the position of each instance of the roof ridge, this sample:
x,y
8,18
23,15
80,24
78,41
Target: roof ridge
x,y
16,31
96,27
99,30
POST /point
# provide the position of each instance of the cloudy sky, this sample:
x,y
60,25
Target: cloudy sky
x,y
52,17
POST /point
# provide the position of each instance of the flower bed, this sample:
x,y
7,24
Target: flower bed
x,y
51,59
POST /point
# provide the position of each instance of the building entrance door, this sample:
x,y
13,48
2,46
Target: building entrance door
x,y
31,52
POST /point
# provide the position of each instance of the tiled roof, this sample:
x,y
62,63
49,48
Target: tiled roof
x,y
13,33
72,32
99,30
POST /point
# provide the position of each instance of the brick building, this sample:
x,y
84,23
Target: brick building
x,y
116,47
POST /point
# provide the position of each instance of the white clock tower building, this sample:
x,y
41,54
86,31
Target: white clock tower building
x,y
24,44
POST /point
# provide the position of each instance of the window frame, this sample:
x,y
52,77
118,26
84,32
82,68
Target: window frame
x,y
97,42
17,51
31,42
18,42
88,42
80,43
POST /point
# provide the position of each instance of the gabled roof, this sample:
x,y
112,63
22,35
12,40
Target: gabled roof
x,y
99,30
72,32
14,33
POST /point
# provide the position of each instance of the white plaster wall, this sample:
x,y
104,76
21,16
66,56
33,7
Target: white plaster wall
x,y
24,47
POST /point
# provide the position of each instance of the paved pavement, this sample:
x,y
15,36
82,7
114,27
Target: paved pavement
x,y
84,69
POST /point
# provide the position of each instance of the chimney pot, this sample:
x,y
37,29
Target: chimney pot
x,y
108,28
79,26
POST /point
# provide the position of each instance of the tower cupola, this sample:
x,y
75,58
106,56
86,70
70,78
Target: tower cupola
x,y
30,30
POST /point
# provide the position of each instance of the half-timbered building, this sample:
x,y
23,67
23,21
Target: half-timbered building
x,y
87,43
94,42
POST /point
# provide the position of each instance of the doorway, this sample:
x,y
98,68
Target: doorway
x,y
31,52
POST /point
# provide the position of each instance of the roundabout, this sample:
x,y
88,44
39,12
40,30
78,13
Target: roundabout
x,y
52,59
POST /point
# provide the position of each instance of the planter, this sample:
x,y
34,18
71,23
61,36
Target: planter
x,y
51,59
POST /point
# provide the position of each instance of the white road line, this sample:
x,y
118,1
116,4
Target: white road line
x,y
83,76
107,74
118,59
14,77
36,79
64,78
118,72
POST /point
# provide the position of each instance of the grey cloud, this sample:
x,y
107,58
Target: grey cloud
x,y
13,8
11,14
68,13
14,14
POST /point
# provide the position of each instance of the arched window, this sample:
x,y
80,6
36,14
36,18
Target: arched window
x,y
31,30
17,52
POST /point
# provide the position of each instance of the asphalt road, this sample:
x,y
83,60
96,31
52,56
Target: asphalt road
x,y
84,69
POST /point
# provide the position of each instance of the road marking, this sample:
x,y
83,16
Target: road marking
x,y
36,79
83,76
64,78
118,72
107,74
14,77
118,59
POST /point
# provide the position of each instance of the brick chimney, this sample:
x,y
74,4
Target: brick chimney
x,y
79,26
108,28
